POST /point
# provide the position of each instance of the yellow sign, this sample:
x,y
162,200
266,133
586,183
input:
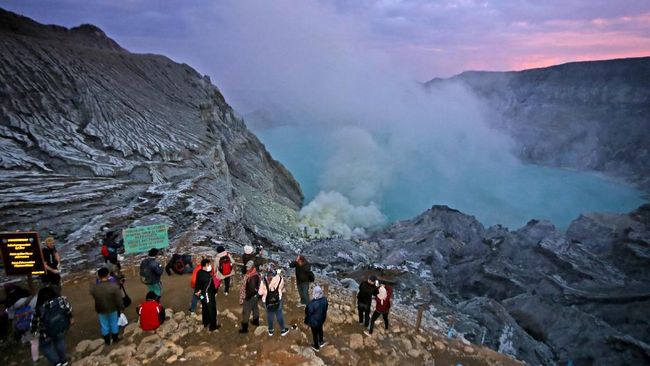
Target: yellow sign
x,y
21,254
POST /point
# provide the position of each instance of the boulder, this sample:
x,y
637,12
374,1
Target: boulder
x,y
356,341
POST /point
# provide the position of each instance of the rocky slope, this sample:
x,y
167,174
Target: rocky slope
x,y
537,293
580,115
92,135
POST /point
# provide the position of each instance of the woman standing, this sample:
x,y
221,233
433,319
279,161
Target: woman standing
x,y
304,276
52,319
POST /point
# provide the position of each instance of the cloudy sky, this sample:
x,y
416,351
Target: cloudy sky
x,y
424,38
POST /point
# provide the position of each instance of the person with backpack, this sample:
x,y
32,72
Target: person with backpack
x,y
248,297
224,269
271,292
367,289
315,316
151,313
179,264
108,305
304,276
150,272
52,319
51,260
382,307
110,247
20,312
205,289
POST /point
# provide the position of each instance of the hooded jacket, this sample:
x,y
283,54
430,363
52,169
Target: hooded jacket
x,y
316,312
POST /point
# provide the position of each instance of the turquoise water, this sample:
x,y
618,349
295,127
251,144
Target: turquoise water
x,y
492,191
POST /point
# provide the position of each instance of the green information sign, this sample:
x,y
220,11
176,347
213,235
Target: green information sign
x,y
142,238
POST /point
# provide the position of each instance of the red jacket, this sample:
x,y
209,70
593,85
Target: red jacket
x,y
384,306
196,270
152,314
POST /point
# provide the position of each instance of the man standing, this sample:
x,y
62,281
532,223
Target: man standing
x,y
248,297
205,290
52,276
367,290
108,305
150,272
224,268
304,276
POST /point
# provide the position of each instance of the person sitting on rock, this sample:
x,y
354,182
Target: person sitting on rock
x,y
151,313
382,307
180,264
225,263
367,289
206,290
248,297
304,276
271,292
315,316
108,305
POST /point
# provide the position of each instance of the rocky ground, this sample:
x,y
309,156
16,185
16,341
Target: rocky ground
x,y
182,340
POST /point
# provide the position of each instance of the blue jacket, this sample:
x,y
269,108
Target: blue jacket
x,y
316,312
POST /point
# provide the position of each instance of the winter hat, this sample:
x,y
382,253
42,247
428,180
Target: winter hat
x,y
220,249
382,295
249,265
248,249
317,293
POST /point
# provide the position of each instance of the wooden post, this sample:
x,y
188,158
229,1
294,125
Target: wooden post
x,y
326,289
418,322
354,299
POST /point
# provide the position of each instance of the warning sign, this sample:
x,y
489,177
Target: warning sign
x,y
142,238
21,254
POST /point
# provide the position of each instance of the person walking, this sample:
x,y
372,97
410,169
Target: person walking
x,y
382,307
206,291
225,267
271,292
151,313
52,319
315,316
304,276
108,305
52,260
150,272
248,297
367,290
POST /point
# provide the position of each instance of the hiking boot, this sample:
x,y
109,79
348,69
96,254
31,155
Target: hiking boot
x,y
284,332
256,322
107,339
115,338
243,328
271,332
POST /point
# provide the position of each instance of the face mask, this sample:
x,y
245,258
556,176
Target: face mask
x,y
208,269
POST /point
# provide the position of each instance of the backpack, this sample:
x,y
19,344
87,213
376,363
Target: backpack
x,y
272,297
225,265
146,272
311,276
23,318
179,266
105,252
54,319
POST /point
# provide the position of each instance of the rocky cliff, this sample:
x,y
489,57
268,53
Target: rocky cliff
x,y
580,115
92,135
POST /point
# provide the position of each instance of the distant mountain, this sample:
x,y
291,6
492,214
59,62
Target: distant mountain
x,y
583,115
92,135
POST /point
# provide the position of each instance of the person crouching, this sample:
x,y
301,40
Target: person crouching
x,y
151,313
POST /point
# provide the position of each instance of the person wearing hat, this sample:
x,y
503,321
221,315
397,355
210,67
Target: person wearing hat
x,y
315,316
150,272
52,259
249,255
248,296
225,263
367,289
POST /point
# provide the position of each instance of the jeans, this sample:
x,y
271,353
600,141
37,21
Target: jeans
x,y
250,305
108,323
54,349
375,316
303,291
226,283
156,288
364,314
195,301
270,315
317,333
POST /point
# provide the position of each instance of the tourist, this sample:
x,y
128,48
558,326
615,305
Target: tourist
x,y
367,289
52,260
304,276
151,313
225,263
250,254
248,297
315,316
150,272
108,305
20,307
179,264
382,307
205,290
271,292
51,320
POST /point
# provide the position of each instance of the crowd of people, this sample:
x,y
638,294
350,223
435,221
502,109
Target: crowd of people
x,y
43,320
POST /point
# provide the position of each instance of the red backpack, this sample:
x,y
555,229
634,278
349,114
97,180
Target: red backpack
x,y
225,265
105,252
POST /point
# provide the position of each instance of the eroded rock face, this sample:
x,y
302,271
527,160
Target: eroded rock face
x,y
540,294
93,135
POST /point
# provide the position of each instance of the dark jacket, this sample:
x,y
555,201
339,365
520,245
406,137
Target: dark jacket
x,y
205,284
108,297
316,312
156,269
303,273
366,292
